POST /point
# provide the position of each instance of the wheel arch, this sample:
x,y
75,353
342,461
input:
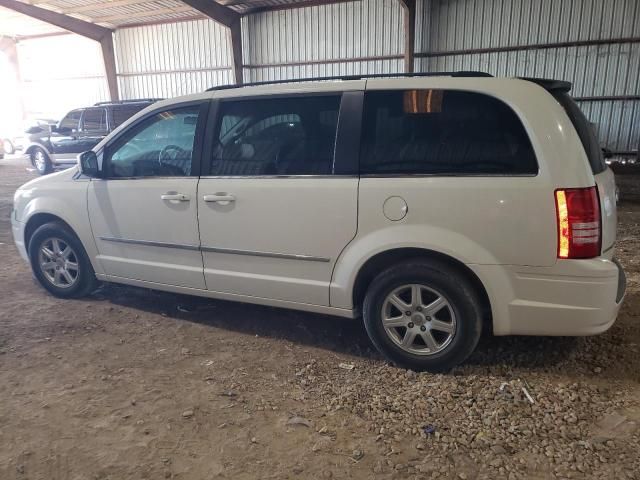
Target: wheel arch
x,y
32,146
387,258
39,219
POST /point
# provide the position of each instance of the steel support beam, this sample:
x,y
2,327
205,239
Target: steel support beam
x,y
230,19
95,32
409,7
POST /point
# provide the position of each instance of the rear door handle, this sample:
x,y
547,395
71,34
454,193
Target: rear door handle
x,y
180,197
223,198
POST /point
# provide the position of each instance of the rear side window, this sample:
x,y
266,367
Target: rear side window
x,y
443,132
123,113
71,121
94,120
585,130
276,136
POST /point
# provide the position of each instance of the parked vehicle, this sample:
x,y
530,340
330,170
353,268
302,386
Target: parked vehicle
x,y
30,131
78,131
435,207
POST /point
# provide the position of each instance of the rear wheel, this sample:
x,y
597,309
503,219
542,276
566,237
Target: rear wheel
x,y
423,316
60,263
41,161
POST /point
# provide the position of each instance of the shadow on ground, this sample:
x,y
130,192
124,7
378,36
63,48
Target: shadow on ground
x,y
323,331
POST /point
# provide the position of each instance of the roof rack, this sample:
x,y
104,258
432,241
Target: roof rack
x,y
124,102
354,77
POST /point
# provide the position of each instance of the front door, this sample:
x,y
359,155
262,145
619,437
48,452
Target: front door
x,y
273,214
64,138
144,212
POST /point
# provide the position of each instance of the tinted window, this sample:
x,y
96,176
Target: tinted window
x,y
286,136
72,120
161,145
94,120
123,113
442,132
585,130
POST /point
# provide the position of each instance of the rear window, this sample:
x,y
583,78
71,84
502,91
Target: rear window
x,y
122,113
585,130
445,132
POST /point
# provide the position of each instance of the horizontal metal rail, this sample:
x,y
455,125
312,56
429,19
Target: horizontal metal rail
x,y
533,46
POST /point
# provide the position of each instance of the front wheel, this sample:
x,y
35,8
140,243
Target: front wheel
x,y
423,316
41,161
60,263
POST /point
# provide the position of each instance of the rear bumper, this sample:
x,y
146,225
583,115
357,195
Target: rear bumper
x,y
572,298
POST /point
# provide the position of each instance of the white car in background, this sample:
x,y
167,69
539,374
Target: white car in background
x,y
435,207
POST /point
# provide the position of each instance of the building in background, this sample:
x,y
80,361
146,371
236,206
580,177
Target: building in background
x,y
595,44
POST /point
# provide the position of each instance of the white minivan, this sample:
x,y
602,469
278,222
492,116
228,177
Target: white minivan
x,y
435,207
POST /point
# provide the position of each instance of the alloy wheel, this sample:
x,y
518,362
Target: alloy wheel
x,y
58,263
418,319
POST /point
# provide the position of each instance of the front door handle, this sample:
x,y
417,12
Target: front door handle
x,y
180,197
222,198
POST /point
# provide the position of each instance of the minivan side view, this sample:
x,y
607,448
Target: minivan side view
x,y
80,130
434,207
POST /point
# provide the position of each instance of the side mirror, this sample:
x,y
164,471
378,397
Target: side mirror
x,y
88,164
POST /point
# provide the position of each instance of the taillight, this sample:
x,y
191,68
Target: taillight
x,y
578,215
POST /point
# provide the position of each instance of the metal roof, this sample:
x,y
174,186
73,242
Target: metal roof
x,y
121,13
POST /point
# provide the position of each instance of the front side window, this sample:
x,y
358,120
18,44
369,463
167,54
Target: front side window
x,y
445,132
281,136
71,121
94,120
161,145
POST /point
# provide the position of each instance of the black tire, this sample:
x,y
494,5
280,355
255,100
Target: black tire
x,y
85,280
41,161
463,308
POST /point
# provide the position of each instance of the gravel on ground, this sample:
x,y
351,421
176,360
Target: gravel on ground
x,y
136,384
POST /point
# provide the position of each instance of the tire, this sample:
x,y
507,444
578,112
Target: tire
x,y
41,161
9,149
445,334
56,238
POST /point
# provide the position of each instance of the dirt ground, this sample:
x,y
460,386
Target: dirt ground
x,y
135,384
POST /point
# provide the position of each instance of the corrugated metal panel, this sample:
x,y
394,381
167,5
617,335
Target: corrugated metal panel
x,y
172,59
53,84
464,24
594,70
278,44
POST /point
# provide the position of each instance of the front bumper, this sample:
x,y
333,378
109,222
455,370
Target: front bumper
x,y
17,228
572,298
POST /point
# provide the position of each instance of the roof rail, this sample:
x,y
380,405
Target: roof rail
x,y
354,77
133,100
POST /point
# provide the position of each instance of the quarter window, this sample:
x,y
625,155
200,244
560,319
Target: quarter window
x,y
161,145
282,136
444,132
94,120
